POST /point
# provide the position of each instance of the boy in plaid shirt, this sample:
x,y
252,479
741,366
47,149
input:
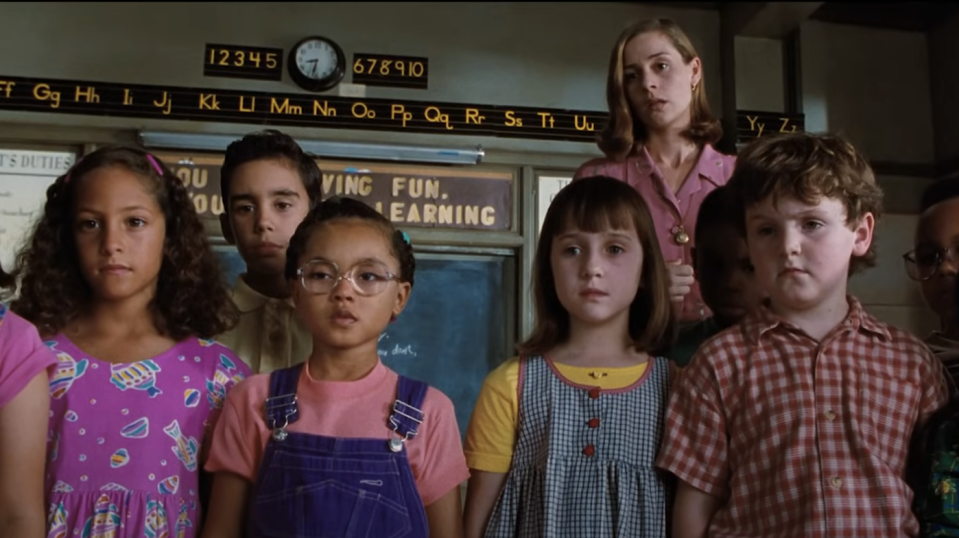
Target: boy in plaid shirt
x,y
797,421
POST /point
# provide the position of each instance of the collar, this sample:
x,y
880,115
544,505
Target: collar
x,y
763,320
247,299
711,165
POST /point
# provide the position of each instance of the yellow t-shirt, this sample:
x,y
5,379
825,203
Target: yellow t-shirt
x,y
491,435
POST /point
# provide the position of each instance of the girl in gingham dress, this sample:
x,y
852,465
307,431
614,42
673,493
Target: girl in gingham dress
x,y
563,439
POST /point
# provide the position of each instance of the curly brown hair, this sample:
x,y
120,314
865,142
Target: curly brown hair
x,y
807,167
624,129
191,297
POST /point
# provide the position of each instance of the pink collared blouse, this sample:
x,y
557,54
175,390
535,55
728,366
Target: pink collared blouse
x,y
671,210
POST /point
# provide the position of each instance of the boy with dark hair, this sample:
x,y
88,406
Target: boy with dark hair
x,y
268,185
797,421
726,275
934,262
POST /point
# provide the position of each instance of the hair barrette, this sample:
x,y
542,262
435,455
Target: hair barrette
x,y
406,238
156,165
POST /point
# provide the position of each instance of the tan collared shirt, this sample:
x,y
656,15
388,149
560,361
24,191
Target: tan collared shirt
x,y
269,335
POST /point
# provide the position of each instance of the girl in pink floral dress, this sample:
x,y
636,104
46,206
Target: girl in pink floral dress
x,y
121,283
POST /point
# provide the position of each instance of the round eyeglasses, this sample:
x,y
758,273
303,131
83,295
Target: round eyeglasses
x,y
368,278
924,263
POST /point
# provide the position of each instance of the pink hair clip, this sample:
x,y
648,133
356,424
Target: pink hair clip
x,y
156,165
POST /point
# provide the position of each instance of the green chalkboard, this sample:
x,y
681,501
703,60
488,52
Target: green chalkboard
x,y
455,327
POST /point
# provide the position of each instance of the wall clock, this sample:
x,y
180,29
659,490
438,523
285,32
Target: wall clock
x,y
316,64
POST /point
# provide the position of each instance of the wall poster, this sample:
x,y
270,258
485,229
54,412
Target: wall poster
x,y
24,178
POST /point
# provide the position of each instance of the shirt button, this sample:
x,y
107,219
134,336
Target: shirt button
x,y
589,451
593,423
830,416
594,393
836,482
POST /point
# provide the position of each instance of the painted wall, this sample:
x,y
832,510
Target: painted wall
x,y
511,53
759,74
873,86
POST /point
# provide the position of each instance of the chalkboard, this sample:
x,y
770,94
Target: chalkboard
x,y
454,329
231,263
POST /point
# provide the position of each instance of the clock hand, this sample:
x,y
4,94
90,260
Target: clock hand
x,y
314,62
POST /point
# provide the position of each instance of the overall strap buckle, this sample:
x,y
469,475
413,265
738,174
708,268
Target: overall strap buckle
x,y
280,406
406,415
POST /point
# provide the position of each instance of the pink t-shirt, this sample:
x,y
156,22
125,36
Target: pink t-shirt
x,y
22,354
346,409
669,209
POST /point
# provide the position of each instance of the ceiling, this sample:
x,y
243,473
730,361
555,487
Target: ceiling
x,y
908,16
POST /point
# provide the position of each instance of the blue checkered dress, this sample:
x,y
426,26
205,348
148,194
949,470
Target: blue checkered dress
x,y
583,462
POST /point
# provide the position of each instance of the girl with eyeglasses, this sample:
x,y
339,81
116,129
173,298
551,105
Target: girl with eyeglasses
x,y
341,445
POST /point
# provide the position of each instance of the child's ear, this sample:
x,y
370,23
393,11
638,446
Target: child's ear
x,y
226,228
295,289
863,229
402,296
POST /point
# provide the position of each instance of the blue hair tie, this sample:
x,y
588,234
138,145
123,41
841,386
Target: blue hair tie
x,y
406,238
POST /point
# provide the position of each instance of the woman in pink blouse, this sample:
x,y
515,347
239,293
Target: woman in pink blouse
x,y
658,140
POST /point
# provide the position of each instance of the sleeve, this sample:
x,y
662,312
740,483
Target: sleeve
x,y
229,371
235,446
694,446
23,355
491,435
438,464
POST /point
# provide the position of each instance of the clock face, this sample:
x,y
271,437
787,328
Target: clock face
x,y
316,59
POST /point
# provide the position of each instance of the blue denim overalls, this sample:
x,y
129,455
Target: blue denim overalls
x,y
312,486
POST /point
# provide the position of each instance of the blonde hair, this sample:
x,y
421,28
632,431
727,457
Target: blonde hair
x,y
622,131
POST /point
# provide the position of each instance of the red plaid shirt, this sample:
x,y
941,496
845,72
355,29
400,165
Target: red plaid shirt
x,y
803,438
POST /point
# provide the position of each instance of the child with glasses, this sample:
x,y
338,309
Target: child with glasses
x,y
934,263
341,445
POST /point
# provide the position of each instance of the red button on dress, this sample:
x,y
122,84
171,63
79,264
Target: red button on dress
x,y
593,423
589,450
594,392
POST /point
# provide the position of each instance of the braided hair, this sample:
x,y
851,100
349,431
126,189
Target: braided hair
x,y
191,298
339,207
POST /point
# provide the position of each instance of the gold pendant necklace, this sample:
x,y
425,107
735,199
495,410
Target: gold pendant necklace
x,y
680,237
